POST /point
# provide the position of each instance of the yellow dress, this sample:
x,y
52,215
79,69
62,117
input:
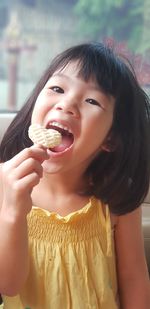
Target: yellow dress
x,y
72,261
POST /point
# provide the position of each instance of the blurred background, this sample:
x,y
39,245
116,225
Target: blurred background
x,y
32,32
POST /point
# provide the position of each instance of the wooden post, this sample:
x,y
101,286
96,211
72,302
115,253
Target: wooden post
x,y
13,58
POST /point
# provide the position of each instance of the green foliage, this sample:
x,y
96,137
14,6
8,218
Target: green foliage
x,y
120,19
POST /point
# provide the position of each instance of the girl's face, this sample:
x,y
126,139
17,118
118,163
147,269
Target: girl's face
x,y
80,111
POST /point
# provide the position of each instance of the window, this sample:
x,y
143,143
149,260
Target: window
x,y
32,32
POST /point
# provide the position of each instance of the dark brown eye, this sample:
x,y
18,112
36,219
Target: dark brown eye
x,y
92,101
57,89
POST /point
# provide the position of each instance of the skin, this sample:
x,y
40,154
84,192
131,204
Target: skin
x,y
80,106
83,108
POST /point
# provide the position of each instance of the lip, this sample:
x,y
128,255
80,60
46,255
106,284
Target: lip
x,y
53,154
62,122
59,126
65,123
72,124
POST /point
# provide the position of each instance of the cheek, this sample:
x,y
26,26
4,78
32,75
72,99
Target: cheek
x,y
99,127
98,132
39,111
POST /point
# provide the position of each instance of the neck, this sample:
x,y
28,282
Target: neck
x,y
59,193
63,183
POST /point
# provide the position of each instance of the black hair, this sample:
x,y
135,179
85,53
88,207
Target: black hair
x,y
119,177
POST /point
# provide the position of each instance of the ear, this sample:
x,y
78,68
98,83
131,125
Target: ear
x,y
109,145
106,148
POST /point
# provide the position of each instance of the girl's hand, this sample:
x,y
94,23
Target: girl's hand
x,y
19,175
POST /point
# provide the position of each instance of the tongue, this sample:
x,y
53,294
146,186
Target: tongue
x,y
66,143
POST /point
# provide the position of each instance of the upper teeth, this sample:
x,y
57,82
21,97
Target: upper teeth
x,y
59,125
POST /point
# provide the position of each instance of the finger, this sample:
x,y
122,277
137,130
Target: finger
x,y
35,152
27,183
27,167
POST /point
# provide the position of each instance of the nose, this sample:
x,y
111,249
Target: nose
x,y
69,107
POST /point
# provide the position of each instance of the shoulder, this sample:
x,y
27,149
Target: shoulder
x,y
128,231
128,221
132,268
114,220
1,186
129,244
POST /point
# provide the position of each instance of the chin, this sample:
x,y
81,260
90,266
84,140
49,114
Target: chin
x,y
51,168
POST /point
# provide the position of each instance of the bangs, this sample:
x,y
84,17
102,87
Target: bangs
x,y
94,61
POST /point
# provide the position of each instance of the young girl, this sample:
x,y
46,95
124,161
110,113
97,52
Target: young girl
x,y
70,219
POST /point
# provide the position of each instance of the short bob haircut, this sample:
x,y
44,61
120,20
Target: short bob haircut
x,y
119,177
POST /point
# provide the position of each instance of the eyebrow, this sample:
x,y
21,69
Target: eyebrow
x,y
93,87
59,74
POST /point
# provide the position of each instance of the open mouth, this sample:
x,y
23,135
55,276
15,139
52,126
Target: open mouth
x,y
67,137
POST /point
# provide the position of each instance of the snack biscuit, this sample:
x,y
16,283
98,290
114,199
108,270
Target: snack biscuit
x,y
48,138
